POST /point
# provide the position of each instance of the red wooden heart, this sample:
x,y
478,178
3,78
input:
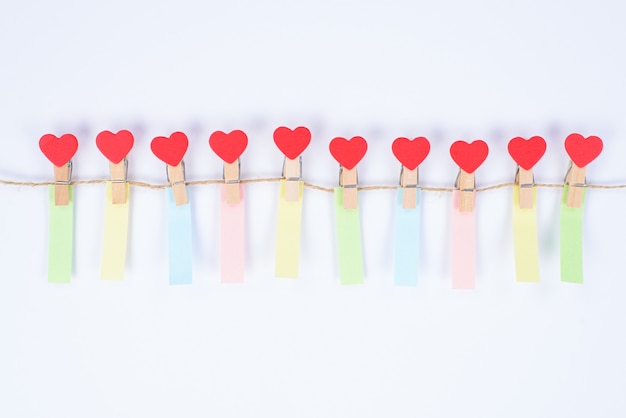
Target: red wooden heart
x,y
348,152
292,143
469,156
411,153
58,150
583,150
527,152
115,146
228,146
170,150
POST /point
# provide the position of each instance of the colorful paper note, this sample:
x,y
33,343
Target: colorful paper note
x,y
348,230
232,239
463,245
288,234
407,241
60,240
525,239
571,240
115,236
179,230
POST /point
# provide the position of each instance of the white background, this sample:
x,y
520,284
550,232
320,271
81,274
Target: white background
x,y
309,347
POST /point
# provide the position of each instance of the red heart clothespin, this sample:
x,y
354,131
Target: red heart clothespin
x,y
292,143
411,153
60,150
468,156
581,151
171,151
348,153
115,147
526,153
229,147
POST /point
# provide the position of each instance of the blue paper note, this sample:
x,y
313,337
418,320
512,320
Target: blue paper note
x,y
407,242
179,229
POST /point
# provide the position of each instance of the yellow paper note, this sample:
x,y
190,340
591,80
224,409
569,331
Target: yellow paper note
x,y
525,239
288,234
115,236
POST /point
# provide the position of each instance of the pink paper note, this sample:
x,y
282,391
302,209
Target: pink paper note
x,y
232,239
463,246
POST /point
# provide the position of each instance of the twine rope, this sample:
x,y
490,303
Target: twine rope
x,y
308,185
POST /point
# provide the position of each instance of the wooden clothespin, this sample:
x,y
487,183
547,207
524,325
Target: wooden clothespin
x,y
468,156
229,147
576,179
232,180
526,153
62,180
292,143
526,182
348,153
411,153
119,176
171,151
582,151
467,188
60,152
176,178
292,173
409,180
348,180
115,147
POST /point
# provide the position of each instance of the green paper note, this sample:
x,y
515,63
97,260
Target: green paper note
x,y
348,229
288,234
525,239
571,240
115,236
60,240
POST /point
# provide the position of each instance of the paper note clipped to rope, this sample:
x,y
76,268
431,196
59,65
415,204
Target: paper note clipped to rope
x,y
180,239
115,236
571,240
349,247
60,247
288,234
407,241
232,238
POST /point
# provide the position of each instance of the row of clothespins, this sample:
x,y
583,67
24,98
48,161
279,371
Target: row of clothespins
x,y
348,153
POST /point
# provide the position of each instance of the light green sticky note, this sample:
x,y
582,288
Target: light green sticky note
x,y
115,236
288,234
571,240
348,230
60,240
525,239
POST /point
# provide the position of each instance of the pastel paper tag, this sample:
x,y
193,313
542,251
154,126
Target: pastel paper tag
x,y
60,239
288,234
571,240
232,239
525,239
348,229
115,236
407,241
179,230
463,245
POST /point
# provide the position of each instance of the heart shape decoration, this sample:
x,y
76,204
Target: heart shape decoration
x,y
58,150
170,150
115,146
583,150
348,152
292,142
228,146
527,152
469,156
411,152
